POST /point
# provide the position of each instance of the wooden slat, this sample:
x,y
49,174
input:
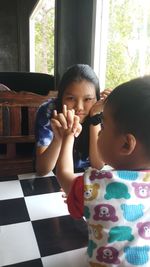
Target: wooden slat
x,y
11,98
1,121
15,121
16,166
17,139
13,130
11,151
6,121
31,119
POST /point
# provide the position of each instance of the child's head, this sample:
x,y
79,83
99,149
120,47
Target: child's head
x,y
79,89
125,137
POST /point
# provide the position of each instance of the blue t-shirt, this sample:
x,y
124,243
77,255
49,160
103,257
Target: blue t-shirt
x,y
44,133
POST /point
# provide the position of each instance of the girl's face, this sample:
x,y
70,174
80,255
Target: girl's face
x,y
80,96
109,140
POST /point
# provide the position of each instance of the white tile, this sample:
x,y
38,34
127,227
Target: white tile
x,y
18,243
73,258
10,189
46,206
33,175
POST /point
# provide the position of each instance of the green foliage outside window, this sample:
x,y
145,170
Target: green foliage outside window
x,y
125,36
44,41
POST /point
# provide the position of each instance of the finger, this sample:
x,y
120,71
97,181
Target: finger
x,y
55,113
75,123
65,110
104,96
64,195
105,93
78,131
77,128
55,123
61,118
73,112
70,116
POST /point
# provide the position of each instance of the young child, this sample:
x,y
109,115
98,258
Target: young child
x,y
115,203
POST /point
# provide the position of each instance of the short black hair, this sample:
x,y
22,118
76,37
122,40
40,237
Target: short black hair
x,y
130,106
77,73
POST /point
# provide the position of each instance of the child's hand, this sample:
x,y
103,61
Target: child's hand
x,y
74,125
64,196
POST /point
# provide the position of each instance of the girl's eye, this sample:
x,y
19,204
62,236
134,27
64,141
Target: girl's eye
x,y
88,99
70,98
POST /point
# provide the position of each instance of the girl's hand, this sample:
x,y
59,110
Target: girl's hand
x,y
58,124
99,105
57,129
105,93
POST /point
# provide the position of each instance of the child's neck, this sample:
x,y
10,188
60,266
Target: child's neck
x,y
133,164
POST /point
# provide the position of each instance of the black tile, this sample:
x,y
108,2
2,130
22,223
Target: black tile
x,y
13,211
60,234
8,178
33,263
39,186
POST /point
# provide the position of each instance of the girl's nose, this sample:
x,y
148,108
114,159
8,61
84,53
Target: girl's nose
x,y
79,105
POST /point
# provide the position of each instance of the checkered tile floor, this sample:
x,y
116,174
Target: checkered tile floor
x,y
35,227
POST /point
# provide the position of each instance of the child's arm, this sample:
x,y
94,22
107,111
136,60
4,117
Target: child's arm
x,y
65,166
94,156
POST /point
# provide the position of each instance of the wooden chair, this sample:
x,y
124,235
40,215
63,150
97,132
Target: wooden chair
x,y
17,119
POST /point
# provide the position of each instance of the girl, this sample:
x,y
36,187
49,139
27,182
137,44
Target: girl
x,y
78,90
115,202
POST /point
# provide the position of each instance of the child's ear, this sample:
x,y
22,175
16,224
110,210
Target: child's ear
x,y
128,144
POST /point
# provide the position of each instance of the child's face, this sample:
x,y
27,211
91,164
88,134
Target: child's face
x,y
109,140
80,96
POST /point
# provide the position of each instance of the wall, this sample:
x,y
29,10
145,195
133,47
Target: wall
x,y
14,34
72,40
73,34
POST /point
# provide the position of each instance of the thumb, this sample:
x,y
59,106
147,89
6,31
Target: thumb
x,y
77,127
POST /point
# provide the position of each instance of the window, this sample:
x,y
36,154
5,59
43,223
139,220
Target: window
x,y
42,37
122,40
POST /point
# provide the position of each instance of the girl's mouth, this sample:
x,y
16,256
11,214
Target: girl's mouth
x,y
80,114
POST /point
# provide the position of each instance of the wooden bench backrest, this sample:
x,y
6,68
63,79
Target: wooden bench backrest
x,y
17,116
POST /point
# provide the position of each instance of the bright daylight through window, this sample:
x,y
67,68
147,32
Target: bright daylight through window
x,y
122,40
42,37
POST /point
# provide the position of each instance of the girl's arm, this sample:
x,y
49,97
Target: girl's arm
x,y
46,156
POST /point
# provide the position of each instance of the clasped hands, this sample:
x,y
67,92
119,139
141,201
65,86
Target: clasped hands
x,y
66,123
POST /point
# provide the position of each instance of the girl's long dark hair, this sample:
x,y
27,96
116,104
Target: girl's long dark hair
x,y
77,73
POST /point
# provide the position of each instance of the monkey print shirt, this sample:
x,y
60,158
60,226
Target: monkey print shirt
x,y
116,205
